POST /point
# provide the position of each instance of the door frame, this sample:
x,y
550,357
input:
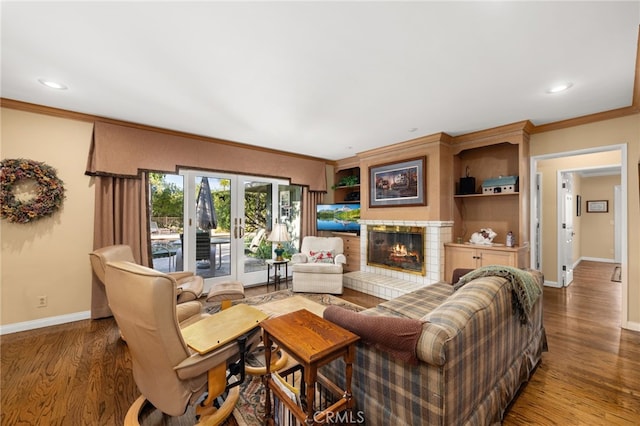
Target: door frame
x,y
624,223
565,277
236,244
256,277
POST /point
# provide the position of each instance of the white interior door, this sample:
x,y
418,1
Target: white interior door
x,y
565,229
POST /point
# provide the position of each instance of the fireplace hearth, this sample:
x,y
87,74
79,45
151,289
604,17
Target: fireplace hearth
x,y
398,248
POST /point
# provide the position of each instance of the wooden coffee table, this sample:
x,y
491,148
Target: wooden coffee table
x,y
313,342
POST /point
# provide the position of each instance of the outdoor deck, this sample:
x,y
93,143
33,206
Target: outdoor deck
x,y
168,256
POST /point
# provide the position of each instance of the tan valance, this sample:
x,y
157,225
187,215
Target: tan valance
x,y
123,151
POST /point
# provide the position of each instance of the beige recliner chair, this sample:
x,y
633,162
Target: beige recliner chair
x,y
167,372
318,266
190,286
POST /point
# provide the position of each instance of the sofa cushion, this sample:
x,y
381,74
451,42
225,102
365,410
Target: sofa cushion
x,y
419,302
317,268
398,336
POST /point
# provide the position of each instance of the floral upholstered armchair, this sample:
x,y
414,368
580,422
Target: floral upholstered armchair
x,y
318,266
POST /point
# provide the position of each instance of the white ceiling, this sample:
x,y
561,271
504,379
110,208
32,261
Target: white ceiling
x,y
326,79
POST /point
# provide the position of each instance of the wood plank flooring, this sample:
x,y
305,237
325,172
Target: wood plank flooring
x,y
591,374
80,374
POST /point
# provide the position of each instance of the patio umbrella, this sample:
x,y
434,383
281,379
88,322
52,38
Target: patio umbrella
x,y
205,213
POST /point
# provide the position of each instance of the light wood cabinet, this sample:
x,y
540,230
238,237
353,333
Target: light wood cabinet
x,y
351,243
469,256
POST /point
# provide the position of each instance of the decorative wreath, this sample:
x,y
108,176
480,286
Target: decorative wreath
x,y
49,193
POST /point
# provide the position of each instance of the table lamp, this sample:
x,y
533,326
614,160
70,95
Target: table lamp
x,y
279,234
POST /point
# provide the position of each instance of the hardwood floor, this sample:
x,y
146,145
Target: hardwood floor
x,y
591,374
79,373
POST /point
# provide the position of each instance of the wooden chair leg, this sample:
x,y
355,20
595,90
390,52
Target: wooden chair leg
x,y
225,410
132,418
217,382
279,359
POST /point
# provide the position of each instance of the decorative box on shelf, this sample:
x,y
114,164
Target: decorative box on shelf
x,y
500,185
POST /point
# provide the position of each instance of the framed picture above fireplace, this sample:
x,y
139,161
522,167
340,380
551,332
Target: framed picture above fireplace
x,y
398,184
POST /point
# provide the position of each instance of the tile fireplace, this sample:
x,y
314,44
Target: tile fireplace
x,y
417,257
399,248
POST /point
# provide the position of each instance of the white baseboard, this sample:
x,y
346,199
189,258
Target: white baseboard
x,y
633,326
43,322
553,284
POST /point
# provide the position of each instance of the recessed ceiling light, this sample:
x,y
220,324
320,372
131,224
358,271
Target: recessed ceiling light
x,y
560,88
52,84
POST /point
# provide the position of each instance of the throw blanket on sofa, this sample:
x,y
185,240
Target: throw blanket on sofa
x,y
524,287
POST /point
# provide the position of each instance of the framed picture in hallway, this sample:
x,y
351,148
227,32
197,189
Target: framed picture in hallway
x,y
578,205
398,184
597,206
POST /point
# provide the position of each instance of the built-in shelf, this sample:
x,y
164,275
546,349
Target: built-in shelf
x,y
499,194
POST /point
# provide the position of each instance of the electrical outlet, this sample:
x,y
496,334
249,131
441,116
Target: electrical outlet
x,y
42,301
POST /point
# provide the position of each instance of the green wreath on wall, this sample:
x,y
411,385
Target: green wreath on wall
x,y
49,191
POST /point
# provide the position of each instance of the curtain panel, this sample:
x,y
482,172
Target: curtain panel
x,y
310,201
121,217
122,151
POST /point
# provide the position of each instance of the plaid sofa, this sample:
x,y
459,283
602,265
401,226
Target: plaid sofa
x,y
474,353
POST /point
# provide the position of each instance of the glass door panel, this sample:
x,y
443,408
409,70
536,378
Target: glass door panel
x,y
213,239
166,206
258,209
227,226
220,232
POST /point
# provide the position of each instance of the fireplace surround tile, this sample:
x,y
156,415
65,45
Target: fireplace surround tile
x,y
387,283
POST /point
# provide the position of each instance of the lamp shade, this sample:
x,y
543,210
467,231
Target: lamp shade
x,y
279,233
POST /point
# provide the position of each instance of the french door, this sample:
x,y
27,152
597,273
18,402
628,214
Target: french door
x,y
227,240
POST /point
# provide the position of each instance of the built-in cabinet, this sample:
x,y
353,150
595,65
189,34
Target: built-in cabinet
x,y
488,155
468,256
351,245
346,189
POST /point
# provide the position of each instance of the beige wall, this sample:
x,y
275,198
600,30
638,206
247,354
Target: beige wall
x,y
598,239
548,170
624,130
48,257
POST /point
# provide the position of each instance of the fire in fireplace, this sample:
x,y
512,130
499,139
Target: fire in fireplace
x,y
396,247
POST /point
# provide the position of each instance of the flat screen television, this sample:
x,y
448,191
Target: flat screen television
x,y
338,217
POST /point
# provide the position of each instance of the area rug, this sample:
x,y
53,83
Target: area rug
x,y
617,274
250,408
323,299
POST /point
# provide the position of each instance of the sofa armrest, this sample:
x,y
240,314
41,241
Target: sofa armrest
x,y
394,335
299,258
340,259
180,275
188,310
431,344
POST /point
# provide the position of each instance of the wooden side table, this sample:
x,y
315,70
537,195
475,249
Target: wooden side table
x,y
313,342
277,265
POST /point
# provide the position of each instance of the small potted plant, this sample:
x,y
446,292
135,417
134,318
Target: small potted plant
x,y
347,181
